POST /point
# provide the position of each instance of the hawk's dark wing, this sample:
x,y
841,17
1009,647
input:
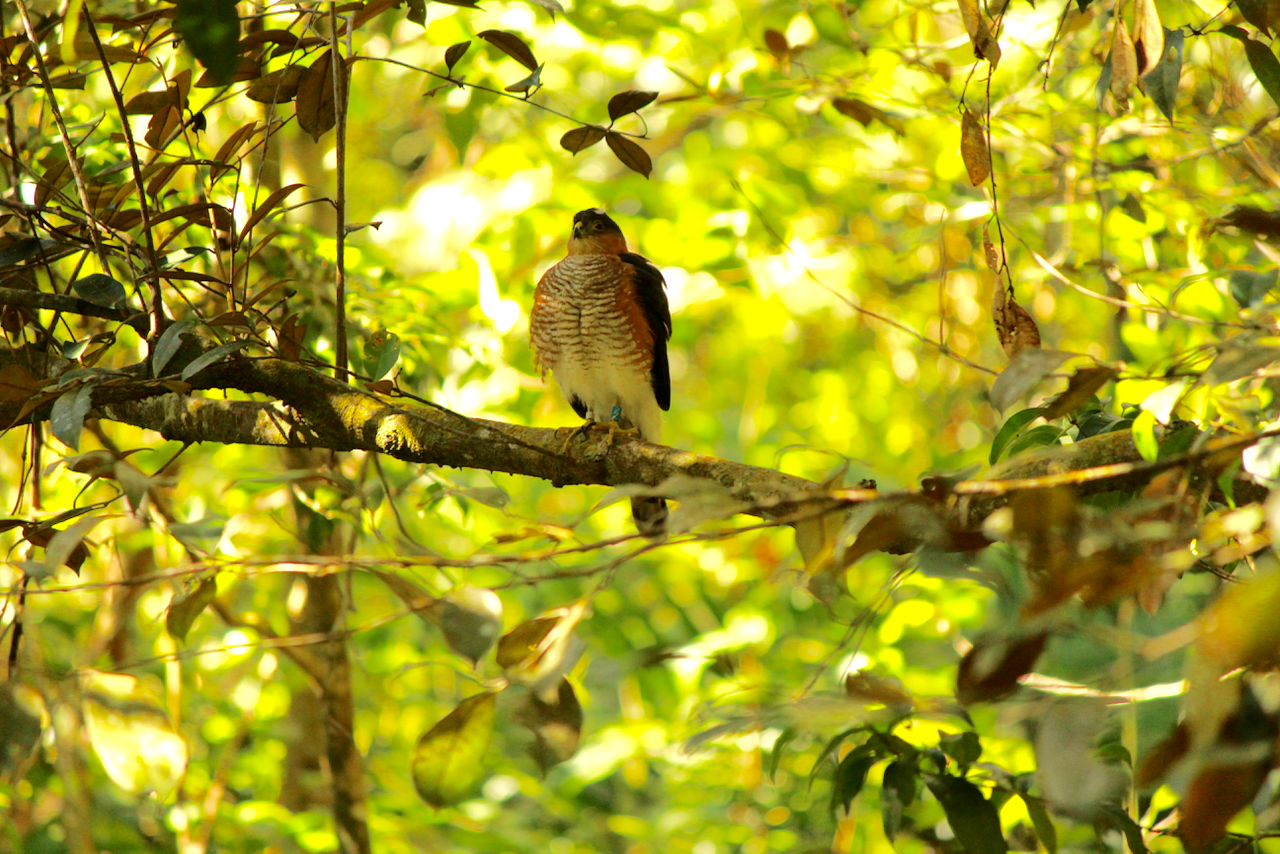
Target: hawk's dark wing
x,y
652,294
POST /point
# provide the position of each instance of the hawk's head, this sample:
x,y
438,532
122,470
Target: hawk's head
x,y
595,233
593,221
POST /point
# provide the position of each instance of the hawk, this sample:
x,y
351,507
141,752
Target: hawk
x,y
600,324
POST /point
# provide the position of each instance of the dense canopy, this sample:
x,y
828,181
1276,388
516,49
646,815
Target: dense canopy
x,y
970,448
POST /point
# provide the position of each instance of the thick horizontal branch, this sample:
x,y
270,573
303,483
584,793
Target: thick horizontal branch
x,y
312,410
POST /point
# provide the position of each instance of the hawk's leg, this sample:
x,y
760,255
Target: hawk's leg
x,y
615,427
582,429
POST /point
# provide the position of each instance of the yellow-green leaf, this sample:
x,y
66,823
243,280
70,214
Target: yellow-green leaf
x,y
448,760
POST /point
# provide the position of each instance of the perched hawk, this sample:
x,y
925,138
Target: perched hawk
x,y
600,323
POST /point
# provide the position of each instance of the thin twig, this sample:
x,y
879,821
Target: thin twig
x,y
153,275
72,161
340,203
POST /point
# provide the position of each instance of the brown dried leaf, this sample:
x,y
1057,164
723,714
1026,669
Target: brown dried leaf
x,y
163,127
632,156
1083,384
776,42
513,46
16,383
1124,64
991,669
579,138
246,69
1253,220
1148,35
289,338
973,148
316,104
147,103
265,208
977,25
1015,328
1213,799
993,263
860,111
629,102
278,87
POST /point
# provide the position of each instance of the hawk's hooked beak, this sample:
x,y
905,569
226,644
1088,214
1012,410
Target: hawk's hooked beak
x,y
577,230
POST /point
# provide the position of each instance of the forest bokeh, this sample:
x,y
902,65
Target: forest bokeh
x,y
221,645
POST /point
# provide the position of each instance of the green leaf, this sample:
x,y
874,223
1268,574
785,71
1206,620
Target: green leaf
x,y
211,30
1036,437
417,13
775,755
973,818
963,747
1010,429
898,790
1161,82
850,776
184,609
381,352
1249,287
168,345
1144,436
67,417
100,289
448,758
215,355
1265,67
1045,831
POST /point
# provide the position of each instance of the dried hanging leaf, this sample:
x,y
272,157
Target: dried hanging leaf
x,y
629,102
16,383
556,726
278,87
978,26
448,758
776,42
1124,64
513,46
991,669
1024,372
316,104
973,149
1016,328
1148,36
993,262
579,138
631,155
454,53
